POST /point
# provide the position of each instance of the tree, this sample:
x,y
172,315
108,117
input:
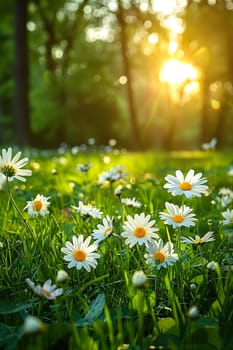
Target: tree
x,y
6,64
213,55
21,74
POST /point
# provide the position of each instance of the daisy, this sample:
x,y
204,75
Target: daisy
x,y
131,202
112,175
225,196
38,206
228,216
12,167
209,145
190,185
83,168
88,210
117,173
48,290
103,230
138,229
160,255
105,176
178,216
208,237
80,253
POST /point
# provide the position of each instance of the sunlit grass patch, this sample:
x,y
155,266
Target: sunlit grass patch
x,y
99,241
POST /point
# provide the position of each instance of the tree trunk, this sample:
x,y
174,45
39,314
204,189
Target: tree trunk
x,y
204,123
127,72
21,73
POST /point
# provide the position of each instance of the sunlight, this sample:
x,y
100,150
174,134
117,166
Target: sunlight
x,y
176,72
168,7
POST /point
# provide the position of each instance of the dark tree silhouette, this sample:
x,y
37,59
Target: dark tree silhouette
x,y
21,73
128,74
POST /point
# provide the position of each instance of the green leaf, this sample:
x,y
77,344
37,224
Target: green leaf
x,y
13,308
95,310
205,330
228,231
198,279
215,308
67,228
165,324
8,338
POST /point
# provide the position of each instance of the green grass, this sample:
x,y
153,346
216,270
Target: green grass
x,y
101,309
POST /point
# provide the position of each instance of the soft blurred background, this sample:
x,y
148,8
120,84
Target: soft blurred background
x,y
150,74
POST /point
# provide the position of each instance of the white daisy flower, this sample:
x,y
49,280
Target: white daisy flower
x,y
80,253
48,290
190,185
88,210
103,230
208,237
112,175
117,173
224,191
178,216
209,145
131,202
83,168
12,167
225,196
105,176
38,206
228,216
160,255
138,229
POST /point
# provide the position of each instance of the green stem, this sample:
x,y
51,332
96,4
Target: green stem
x,y
29,230
140,316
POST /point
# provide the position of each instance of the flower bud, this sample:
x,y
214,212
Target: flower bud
x,y
118,190
33,325
193,286
212,265
139,279
193,312
62,276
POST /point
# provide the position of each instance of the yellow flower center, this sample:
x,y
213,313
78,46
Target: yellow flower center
x,y
46,293
8,170
37,205
198,240
178,218
106,231
79,255
185,186
159,256
139,232
231,219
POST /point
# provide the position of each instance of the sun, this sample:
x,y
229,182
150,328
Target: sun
x,y
177,72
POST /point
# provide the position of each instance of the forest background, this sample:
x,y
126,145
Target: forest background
x,y
150,74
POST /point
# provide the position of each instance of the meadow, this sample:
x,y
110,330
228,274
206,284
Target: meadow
x,y
95,253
